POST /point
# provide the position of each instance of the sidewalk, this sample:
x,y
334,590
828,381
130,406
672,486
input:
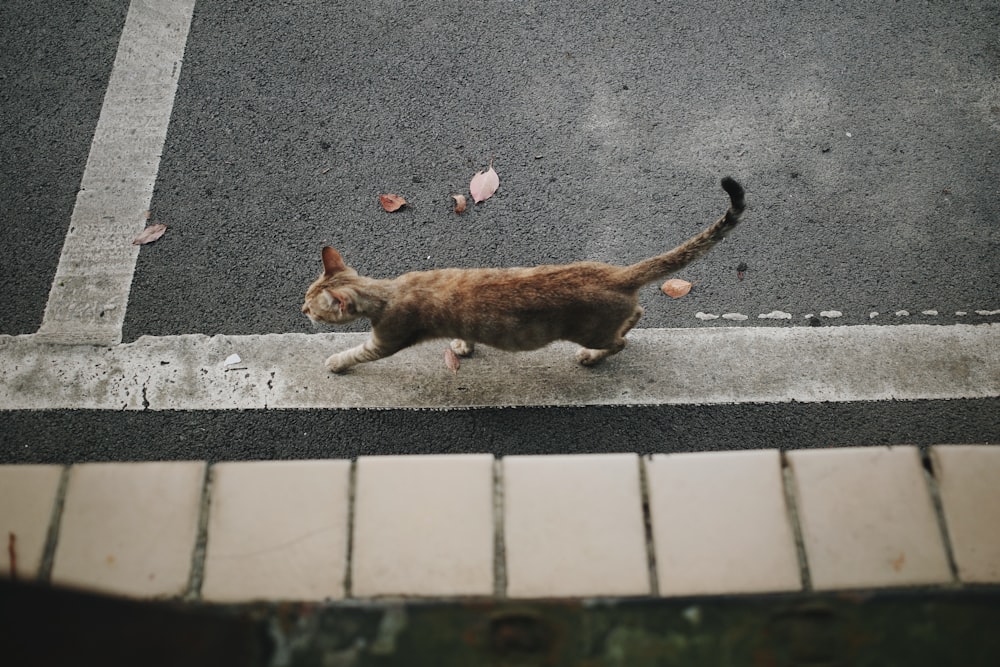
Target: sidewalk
x,y
520,527
838,554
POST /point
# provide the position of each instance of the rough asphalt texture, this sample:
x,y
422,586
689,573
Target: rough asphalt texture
x,y
865,134
55,63
83,435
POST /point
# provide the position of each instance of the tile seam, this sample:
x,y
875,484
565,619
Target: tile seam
x,y
930,480
647,521
352,489
44,574
790,488
499,544
196,577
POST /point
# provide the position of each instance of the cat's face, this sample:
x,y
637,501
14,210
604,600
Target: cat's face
x,y
329,299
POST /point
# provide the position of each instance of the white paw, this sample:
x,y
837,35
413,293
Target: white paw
x,y
587,357
461,347
337,363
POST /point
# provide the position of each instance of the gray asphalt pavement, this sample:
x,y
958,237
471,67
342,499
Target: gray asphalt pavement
x,y
68,436
55,63
864,133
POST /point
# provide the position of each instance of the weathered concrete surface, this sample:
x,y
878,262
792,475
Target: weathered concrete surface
x,y
660,366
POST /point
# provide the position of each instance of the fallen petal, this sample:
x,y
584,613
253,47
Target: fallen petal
x,y
484,184
459,203
149,234
451,360
676,288
232,359
391,202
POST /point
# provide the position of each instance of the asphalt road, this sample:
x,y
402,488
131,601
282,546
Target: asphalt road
x,y
865,134
55,64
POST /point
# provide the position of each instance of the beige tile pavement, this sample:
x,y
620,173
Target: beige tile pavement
x,y
130,528
423,526
969,485
720,523
573,526
867,518
27,498
277,530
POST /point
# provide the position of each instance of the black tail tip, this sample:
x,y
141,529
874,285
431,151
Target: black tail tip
x,y
735,192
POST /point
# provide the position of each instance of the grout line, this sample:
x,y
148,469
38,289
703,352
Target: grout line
x,y
352,487
499,542
55,522
197,578
930,478
647,520
791,503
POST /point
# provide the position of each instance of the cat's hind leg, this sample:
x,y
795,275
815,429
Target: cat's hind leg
x,y
462,348
588,356
370,350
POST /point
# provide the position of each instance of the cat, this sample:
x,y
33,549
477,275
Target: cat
x,y
589,303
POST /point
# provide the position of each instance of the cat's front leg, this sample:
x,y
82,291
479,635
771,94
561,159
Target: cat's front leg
x,y
370,350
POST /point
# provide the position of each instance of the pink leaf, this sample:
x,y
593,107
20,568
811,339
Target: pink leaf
x,y
451,360
391,202
149,234
484,184
675,288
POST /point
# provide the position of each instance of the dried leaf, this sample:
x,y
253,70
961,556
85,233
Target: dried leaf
x,y
484,184
676,288
897,563
451,360
391,202
459,203
149,234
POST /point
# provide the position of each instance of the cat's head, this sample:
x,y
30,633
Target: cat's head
x,y
330,299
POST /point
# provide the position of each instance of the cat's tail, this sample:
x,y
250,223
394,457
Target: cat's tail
x,y
656,268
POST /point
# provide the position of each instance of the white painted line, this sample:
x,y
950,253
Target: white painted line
x,y
90,291
660,366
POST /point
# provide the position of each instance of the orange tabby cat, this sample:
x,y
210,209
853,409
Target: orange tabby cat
x,y
588,303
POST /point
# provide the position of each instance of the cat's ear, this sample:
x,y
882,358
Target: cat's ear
x,y
333,263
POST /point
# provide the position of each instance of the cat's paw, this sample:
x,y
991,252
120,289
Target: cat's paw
x,y
461,347
337,363
588,357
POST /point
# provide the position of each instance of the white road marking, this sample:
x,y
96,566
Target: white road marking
x,y
90,291
660,366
